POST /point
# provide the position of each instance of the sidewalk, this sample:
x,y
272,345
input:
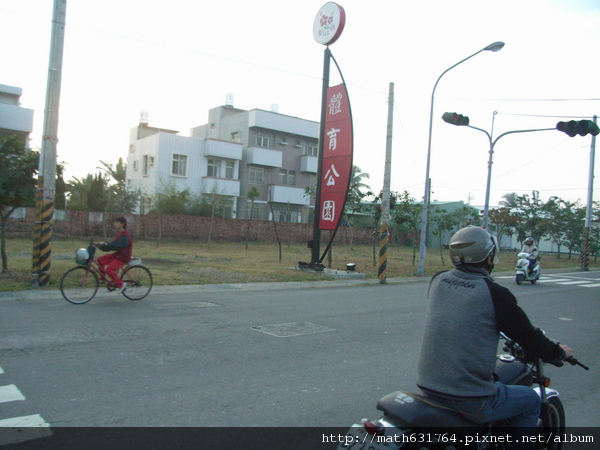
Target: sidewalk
x,y
54,293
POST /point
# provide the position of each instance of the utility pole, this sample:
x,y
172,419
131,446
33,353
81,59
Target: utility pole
x,y
385,198
42,242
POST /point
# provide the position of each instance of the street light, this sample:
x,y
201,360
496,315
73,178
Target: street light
x,y
493,47
460,120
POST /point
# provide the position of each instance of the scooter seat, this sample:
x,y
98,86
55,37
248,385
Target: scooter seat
x,y
420,411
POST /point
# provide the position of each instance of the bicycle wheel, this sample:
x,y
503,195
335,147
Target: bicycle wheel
x,y
78,285
139,282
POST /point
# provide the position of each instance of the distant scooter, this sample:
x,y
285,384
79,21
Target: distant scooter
x,y
521,272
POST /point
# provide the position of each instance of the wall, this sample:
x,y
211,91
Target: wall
x,y
77,224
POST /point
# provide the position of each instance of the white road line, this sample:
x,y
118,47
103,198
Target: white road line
x,y
25,428
1,369
591,285
553,280
575,282
10,393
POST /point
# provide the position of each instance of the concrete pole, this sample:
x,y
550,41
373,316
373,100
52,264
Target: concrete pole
x,y
47,167
385,198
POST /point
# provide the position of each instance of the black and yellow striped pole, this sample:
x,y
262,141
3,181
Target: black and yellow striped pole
x,y
385,197
42,244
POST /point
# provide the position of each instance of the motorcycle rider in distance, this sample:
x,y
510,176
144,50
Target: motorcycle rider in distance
x,y
467,310
534,254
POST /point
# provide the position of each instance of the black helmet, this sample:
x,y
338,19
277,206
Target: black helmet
x,y
529,241
472,245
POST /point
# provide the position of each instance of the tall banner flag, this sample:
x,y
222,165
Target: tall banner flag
x,y
337,157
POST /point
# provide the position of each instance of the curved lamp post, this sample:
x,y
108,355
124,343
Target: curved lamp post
x,y
493,47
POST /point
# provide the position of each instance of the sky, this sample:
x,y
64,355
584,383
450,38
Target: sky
x,y
178,59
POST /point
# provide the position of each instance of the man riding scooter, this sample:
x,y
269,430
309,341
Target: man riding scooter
x,y
534,254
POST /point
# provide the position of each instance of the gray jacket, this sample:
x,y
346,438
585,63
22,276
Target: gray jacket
x,y
466,312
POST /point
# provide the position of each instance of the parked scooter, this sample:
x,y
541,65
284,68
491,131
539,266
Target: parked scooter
x,y
521,272
415,421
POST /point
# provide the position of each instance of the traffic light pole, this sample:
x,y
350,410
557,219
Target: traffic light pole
x,y
485,222
585,254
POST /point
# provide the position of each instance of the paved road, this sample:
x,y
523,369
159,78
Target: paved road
x,y
271,355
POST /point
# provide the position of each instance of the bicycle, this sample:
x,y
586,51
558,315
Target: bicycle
x,y
80,284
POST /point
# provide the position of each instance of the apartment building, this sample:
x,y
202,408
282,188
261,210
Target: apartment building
x,y
233,152
13,118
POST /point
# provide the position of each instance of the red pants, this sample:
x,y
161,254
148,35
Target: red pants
x,y
109,265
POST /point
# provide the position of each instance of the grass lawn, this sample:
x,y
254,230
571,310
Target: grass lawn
x,y
193,262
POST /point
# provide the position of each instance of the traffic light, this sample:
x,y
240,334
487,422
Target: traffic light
x,y
581,128
455,119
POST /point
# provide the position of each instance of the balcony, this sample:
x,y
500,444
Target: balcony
x,y
264,157
309,163
220,186
222,149
286,194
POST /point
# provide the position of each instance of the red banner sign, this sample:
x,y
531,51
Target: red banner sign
x,y
337,157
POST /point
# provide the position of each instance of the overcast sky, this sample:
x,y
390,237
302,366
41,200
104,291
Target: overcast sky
x,y
180,58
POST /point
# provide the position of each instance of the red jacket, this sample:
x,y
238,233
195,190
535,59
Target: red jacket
x,y
123,246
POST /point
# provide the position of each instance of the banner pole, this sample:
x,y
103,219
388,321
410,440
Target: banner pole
x,y
316,242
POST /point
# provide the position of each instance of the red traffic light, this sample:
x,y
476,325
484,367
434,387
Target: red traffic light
x,y
581,128
455,119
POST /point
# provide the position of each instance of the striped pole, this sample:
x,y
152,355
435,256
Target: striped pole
x,y
382,262
37,229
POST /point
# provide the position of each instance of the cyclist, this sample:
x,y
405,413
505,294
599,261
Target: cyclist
x,y
109,264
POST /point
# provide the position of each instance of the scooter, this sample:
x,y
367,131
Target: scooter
x,y
415,421
521,272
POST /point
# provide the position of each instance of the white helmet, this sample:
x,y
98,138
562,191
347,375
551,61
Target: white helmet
x,y
472,245
82,256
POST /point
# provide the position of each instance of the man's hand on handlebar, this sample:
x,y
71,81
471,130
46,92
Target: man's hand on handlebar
x,y
568,351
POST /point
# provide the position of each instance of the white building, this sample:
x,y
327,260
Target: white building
x,y
235,150
13,118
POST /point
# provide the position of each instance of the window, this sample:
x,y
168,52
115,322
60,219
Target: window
x,y
255,175
283,141
235,136
311,149
229,169
291,179
297,143
263,139
135,165
287,177
214,168
179,167
145,165
259,210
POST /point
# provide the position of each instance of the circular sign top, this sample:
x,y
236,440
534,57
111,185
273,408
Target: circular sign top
x,y
329,23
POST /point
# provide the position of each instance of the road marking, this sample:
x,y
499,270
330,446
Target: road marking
x,y
10,393
25,428
553,280
591,285
1,369
574,282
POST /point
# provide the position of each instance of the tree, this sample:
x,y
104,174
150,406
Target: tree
x,y
18,167
120,199
60,192
444,222
252,195
168,200
407,214
504,221
532,221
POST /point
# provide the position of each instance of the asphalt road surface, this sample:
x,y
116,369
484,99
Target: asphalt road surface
x,y
289,355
